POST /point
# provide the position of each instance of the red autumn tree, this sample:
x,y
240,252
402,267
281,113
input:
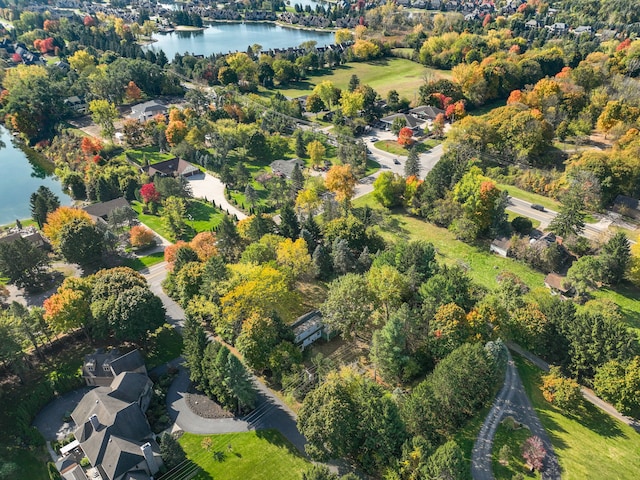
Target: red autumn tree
x,y
487,20
514,97
404,137
91,146
515,49
170,252
16,58
89,21
133,92
623,45
438,124
50,25
149,193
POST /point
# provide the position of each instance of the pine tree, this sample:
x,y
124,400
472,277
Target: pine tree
x,y
301,147
322,263
195,343
343,260
228,239
250,194
354,82
297,180
289,226
412,165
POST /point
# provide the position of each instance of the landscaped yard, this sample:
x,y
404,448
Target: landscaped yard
x,y
255,455
143,154
140,263
393,147
514,439
590,444
398,74
201,217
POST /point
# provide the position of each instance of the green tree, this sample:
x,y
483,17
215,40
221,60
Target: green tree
x,y
618,383
398,124
327,92
104,114
389,347
81,242
388,189
173,214
354,82
171,451
322,263
257,340
570,218
194,344
348,306
412,165
24,264
447,462
584,274
289,226
229,241
42,202
615,259
342,258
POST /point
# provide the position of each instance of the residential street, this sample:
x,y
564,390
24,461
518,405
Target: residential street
x,y
270,412
511,401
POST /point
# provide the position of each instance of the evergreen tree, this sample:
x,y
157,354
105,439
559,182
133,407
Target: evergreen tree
x,y
615,258
389,346
171,451
343,260
41,203
297,180
289,226
354,82
570,219
250,195
412,165
194,345
364,260
229,241
322,263
301,147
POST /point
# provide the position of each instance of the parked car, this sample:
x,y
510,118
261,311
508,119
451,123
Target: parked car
x,y
396,161
374,139
536,206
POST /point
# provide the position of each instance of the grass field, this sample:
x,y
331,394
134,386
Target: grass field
x,y
589,445
201,217
255,455
483,266
140,263
144,154
531,197
383,75
392,147
627,297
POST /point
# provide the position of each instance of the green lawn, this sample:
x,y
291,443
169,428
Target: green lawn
x,y
27,222
201,217
255,455
514,439
589,445
627,297
531,197
140,263
392,147
483,266
511,215
143,154
383,75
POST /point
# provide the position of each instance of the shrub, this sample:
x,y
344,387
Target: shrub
x,y
140,237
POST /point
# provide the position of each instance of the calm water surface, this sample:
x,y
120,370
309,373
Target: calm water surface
x,y
231,37
19,179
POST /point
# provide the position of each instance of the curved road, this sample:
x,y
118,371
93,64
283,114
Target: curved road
x,y
512,400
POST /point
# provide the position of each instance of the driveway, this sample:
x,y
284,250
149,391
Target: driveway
x,y
512,400
49,420
210,188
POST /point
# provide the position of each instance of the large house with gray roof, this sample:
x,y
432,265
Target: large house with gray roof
x,y
111,427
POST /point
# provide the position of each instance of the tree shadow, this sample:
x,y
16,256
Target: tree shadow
x,y
274,437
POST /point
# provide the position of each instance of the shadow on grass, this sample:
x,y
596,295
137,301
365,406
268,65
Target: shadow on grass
x,y
274,437
189,469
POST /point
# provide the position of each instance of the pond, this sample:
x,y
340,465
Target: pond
x,y
232,37
22,175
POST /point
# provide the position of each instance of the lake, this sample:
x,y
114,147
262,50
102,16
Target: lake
x,y
21,177
231,37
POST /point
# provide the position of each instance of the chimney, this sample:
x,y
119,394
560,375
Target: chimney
x,y
148,456
95,423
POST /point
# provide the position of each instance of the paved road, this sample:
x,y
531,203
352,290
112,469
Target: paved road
x,y
512,400
271,412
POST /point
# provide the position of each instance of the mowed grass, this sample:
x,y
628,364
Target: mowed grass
x,y
143,154
482,265
546,202
590,444
515,463
627,297
255,455
383,75
140,263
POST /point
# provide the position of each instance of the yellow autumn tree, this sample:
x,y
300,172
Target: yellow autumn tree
x,y
57,219
294,257
341,181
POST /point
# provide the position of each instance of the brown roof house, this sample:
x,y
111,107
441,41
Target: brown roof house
x,y
501,246
558,285
113,432
103,209
100,368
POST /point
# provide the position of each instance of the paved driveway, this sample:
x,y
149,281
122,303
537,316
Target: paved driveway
x,y
49,420
210,188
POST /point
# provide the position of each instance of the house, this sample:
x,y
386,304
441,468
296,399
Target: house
x,y
103,209
501,246
284,168
101,368
582,29
558,28
426,112
171,168
557,284
627,206
76,104
112,430
147,110
308,328
29,233
410,121
532,24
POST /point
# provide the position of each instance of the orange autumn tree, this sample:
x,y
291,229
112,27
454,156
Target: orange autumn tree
x,y
176,132
133,92
204,244
405,136
341,181
70,307
57,219
141,236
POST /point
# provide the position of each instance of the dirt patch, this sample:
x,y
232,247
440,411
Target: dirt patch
x,y
203,406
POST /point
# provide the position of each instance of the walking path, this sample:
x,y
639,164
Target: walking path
x,y
512,400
